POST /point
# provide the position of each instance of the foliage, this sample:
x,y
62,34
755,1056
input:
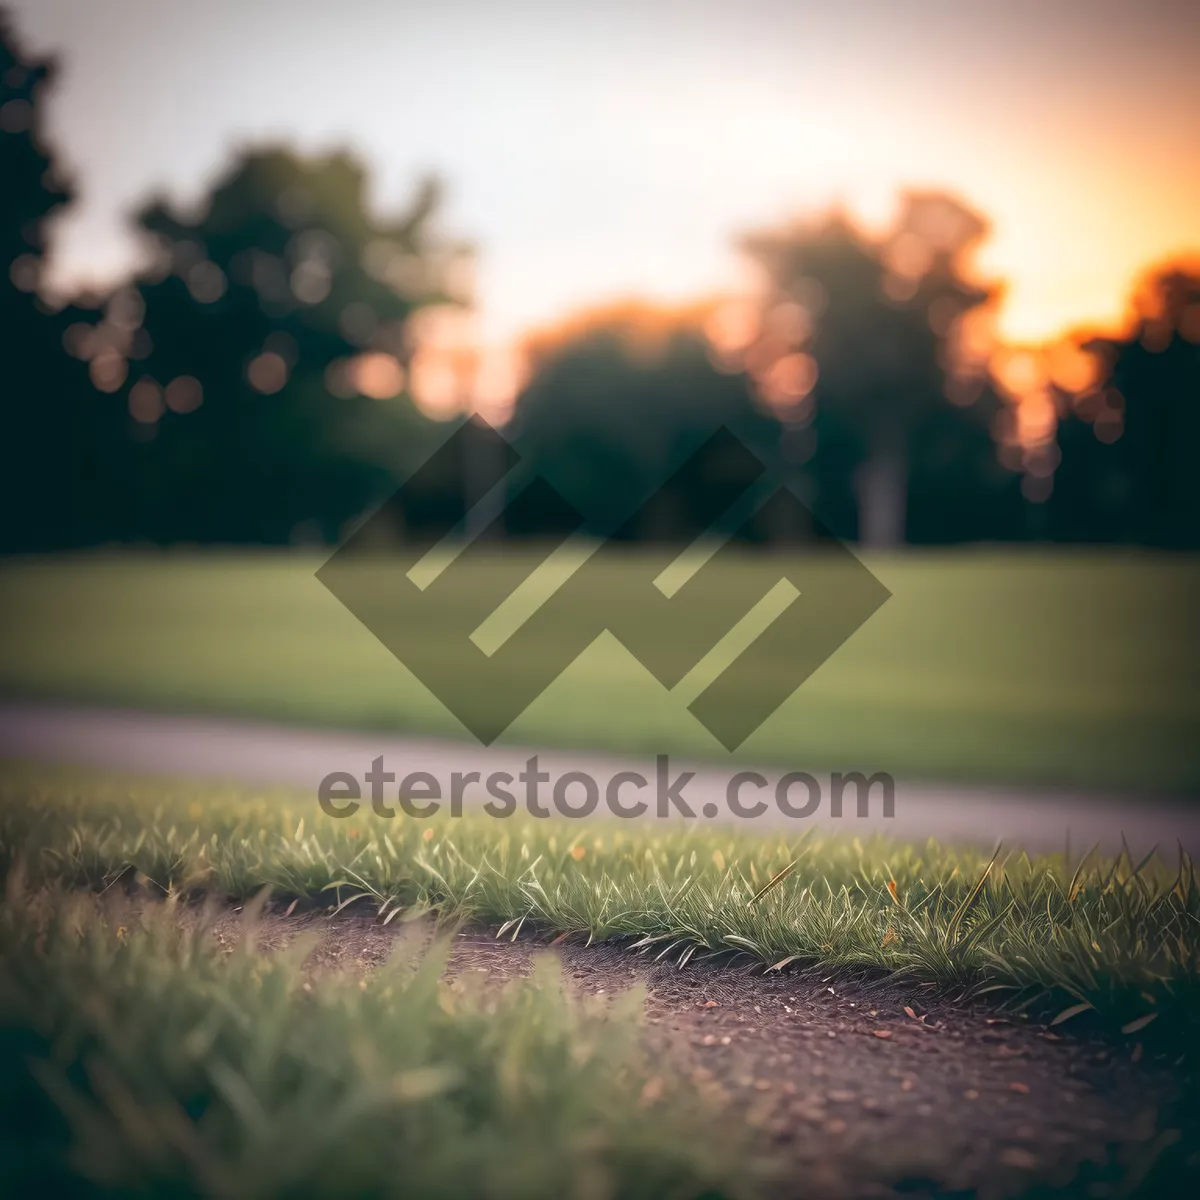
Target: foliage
x,y
248,384
1128,443
261,355
877,328
38,378
614,408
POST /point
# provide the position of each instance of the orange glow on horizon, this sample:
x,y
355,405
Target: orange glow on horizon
x,y
643,322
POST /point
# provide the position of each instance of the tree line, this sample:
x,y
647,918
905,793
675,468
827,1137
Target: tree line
x,y
253,381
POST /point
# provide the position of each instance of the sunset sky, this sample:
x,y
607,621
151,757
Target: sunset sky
x,y
600,150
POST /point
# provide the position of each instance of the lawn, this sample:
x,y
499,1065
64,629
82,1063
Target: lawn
x,y
141,1052
1034,667
139,1057
1119,937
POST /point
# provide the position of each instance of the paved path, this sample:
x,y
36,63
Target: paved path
x,y
254,752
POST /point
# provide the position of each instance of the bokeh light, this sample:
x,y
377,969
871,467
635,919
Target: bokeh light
x,y
146,403
184,394
267,373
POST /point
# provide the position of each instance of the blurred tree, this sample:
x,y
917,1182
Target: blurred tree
x,y
1091,498
619,399
261,357
858,340
40,466
958,488
1128,445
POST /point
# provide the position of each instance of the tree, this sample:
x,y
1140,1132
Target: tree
x,y
857,338
39,462
1129,442
620,398
260,360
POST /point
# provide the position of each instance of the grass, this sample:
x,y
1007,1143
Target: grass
x,y
1117,939
1049,668
137,1056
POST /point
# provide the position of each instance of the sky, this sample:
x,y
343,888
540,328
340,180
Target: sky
x,y
596,151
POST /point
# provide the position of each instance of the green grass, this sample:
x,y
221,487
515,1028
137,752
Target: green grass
x,y
135,1055
1053,668
1120,938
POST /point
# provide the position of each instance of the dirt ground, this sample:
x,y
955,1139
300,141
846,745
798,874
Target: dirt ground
x,y
863,1089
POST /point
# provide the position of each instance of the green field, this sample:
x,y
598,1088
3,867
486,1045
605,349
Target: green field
x,y
139,1058
1038,667
1118,937
143,1052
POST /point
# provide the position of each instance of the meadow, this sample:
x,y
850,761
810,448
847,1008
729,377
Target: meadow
x,y
1117,938
140,1057
143,1050
1054,668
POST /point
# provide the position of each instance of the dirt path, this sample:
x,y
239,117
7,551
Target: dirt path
x,y
210,747
861,1096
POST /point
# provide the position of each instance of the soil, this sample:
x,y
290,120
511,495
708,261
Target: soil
x,y
863,1088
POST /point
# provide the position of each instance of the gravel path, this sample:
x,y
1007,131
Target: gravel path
x,y
860,1090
